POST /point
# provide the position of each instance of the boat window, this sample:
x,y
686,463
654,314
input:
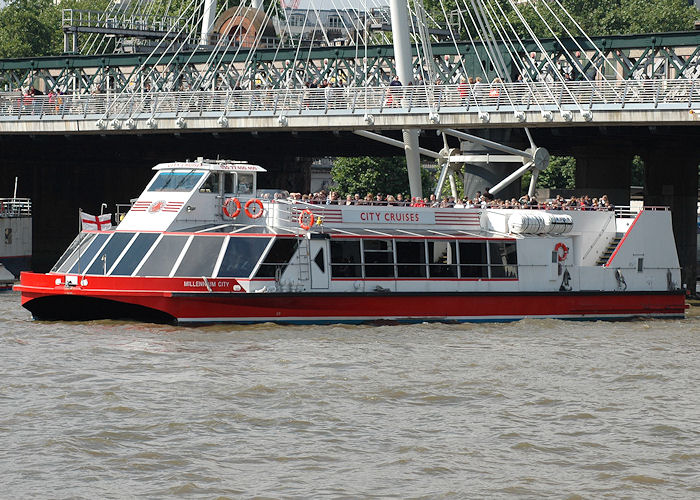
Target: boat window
x,y
504,259
379,258
163,257
245,183
442,257
241,255
410,259
87,253
278,257
134,254
229,182
345,259
320,260
108,255
82,238
472,259
201,256
211,184
175,181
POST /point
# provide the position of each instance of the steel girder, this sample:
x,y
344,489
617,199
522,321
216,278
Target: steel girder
x,y
672,55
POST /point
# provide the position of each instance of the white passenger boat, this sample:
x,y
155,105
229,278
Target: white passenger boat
x,y
202,245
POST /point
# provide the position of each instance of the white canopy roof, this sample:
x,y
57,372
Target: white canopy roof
x,y
215,165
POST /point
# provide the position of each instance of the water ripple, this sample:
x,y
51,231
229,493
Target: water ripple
x,y
535,408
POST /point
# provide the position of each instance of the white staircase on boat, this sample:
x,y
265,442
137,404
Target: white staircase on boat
x,y
603,259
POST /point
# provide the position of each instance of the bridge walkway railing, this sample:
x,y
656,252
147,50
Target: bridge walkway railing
x,y
539,96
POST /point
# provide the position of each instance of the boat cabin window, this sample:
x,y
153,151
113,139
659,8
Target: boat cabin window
x,y
86,252
211,184
69,256
410,259
320,260
141,245
229,182
421,259
163,257
503,259
241,256
278,258
175,181
442,259
473,260
245,183
201,256
379,258
109,254
345,259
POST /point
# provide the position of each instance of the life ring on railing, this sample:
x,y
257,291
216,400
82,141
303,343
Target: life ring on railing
x,y
564,251
226,204
257,214
301,219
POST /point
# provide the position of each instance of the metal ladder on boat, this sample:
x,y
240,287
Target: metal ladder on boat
x,y
304,260
603,259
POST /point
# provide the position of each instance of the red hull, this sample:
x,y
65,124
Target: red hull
x,y
174,299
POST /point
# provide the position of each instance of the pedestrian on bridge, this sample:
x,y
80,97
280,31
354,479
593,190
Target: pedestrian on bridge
x,y
393,95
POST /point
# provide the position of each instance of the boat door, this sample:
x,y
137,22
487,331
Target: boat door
x,y
318,260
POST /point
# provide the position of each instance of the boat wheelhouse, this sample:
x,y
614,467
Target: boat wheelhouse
x,y
202,244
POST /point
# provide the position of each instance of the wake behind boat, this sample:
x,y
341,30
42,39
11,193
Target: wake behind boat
x,y
202,245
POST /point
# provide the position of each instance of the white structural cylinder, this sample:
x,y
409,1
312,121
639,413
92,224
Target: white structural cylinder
x,y
410,141
453,186
404,70
402,40
207,21
256,4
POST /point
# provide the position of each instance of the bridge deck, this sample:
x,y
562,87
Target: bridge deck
x,y
513,104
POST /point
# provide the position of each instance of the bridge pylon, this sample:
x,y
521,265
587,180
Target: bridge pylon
x,y
404,71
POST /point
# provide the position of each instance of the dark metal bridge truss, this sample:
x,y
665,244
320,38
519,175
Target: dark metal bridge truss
x,y
663,55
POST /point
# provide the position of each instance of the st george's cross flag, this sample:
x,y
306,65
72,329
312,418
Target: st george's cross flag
x,y
95,222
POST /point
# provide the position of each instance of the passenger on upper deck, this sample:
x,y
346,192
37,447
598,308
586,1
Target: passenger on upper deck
x,y
333,198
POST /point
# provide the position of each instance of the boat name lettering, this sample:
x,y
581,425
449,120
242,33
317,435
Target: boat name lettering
x,y
202,284
390,217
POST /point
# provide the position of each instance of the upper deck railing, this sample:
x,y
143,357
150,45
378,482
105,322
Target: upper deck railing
x,y
15,207
566,98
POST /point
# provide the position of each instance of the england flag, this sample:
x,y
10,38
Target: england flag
x,y
95,222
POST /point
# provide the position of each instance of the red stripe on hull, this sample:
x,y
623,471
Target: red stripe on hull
x,y
318,307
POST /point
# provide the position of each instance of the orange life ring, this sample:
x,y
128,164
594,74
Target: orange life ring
x,y
564,249
258,214
236,212
301,219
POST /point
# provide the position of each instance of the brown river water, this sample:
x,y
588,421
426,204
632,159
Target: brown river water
x,y
531,409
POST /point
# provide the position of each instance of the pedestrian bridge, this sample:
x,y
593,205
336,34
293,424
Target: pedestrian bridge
x,y
521,104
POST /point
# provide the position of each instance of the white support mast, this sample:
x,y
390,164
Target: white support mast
x,y
404,70
208,18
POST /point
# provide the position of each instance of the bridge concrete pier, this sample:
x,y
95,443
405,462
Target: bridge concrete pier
x,y
604,169
671,171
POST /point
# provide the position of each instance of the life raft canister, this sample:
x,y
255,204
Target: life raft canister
x,y
257,214
564,251
310,216
226,211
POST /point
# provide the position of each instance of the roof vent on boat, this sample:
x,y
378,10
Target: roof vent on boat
x,y
541,223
